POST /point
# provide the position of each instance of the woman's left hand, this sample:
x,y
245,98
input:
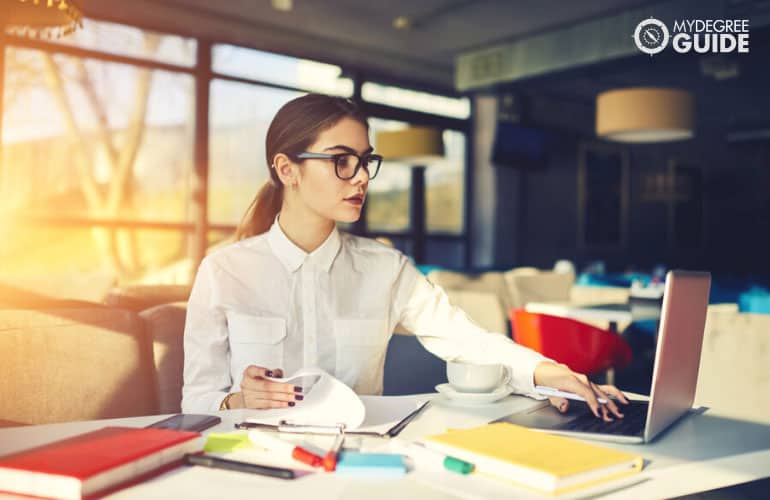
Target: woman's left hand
x,y
560,377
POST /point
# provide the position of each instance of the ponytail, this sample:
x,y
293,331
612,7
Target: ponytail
x,y
262,211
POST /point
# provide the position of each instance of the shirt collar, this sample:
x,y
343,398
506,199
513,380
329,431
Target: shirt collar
x,y
292,256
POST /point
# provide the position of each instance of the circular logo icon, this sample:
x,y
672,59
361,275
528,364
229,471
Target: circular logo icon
x,y
651,36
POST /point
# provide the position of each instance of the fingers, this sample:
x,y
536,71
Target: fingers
x,y
575,384
253,371
561,404
275,396
607,407
260,392
264,404
263,385
614,391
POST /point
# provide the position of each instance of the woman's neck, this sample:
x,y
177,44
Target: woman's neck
x,y
307,231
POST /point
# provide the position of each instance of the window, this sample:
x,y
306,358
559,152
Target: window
x,y
445,186
240,114
288,71
123,40
603,184
388,197
87,138
418,101
97,154
75,122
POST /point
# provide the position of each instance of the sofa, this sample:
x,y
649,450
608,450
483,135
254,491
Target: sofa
x,y
80,361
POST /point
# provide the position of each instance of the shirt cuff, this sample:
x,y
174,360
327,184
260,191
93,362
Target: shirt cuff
x,y
523,376
203,403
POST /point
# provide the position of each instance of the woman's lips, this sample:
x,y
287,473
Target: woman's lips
x,y
355,200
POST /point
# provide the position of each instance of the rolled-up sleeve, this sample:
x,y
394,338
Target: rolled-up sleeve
x,y
447,331
206,347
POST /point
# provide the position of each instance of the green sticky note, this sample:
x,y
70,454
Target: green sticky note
x,y
226,441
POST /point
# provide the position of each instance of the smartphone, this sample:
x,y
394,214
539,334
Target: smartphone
x,y
186,422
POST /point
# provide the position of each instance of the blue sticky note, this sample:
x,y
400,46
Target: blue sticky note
x,y
354,463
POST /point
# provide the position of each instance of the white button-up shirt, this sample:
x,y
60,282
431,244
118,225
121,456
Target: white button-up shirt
x,y
266,302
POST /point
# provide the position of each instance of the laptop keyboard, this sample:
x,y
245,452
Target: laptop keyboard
x,y
632,423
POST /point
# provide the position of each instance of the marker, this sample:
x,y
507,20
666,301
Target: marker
x,y
550,391
437,459
330,460
273,444
223,463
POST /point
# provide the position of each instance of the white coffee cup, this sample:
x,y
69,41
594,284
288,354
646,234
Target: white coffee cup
x,y
467,377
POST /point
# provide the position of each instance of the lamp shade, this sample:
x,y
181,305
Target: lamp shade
x,y
415,144
40,18
645,115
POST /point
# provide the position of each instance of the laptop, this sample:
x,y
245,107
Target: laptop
x,y
675,374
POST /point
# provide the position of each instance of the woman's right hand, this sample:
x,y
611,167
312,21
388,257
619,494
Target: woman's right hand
x,y
261,393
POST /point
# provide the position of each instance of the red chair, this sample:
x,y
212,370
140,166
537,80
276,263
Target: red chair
x,y
584,348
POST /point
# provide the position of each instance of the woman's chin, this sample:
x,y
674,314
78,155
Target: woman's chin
x,y
348,216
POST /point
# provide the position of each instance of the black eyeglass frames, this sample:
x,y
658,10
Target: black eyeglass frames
x,y
346,165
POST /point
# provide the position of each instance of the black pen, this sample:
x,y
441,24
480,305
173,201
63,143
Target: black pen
x,y
396,429
223,463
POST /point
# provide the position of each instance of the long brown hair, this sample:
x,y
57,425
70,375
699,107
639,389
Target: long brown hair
x,y
294,128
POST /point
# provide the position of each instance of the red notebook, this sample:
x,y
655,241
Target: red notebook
x,y
93,462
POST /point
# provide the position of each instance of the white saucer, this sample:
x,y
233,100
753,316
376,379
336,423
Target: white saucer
x,y
473,398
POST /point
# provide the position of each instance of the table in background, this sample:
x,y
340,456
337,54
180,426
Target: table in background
x,y
613,313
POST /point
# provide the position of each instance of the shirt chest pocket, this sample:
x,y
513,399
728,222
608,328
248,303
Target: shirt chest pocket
x,y
255,340
359,343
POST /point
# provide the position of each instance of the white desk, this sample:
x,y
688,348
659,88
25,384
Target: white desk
x,y
703,451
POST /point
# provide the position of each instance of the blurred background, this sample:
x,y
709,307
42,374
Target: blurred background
x,y
134,143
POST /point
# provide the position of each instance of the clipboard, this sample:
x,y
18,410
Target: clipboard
x,y
325,430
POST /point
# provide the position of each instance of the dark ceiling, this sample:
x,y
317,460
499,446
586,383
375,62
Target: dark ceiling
x,y
361,32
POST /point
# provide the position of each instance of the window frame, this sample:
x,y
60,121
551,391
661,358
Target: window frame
x,y
203,75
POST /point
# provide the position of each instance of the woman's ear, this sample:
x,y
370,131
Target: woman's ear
x,y
287,170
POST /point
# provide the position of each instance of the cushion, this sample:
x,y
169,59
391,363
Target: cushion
x,y
74,364
140,297
165,326
489,282
482,307
545,286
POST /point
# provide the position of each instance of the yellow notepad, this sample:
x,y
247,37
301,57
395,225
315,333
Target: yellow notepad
x,y
544,462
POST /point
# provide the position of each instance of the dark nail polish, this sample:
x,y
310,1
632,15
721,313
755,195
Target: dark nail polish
x,y
297,388
269,373
299,398
292,403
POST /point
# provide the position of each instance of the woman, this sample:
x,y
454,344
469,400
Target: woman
x,y
295,292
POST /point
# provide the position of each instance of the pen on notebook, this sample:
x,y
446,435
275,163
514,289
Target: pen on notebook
x,y
422,453
550,391
223,463
396,429
330,460
276,445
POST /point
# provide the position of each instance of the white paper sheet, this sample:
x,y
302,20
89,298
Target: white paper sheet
x,y
327,402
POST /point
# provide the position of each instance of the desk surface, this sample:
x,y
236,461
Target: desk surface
x,y
701,452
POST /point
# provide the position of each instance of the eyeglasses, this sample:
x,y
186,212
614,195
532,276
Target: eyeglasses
x,y
346,165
